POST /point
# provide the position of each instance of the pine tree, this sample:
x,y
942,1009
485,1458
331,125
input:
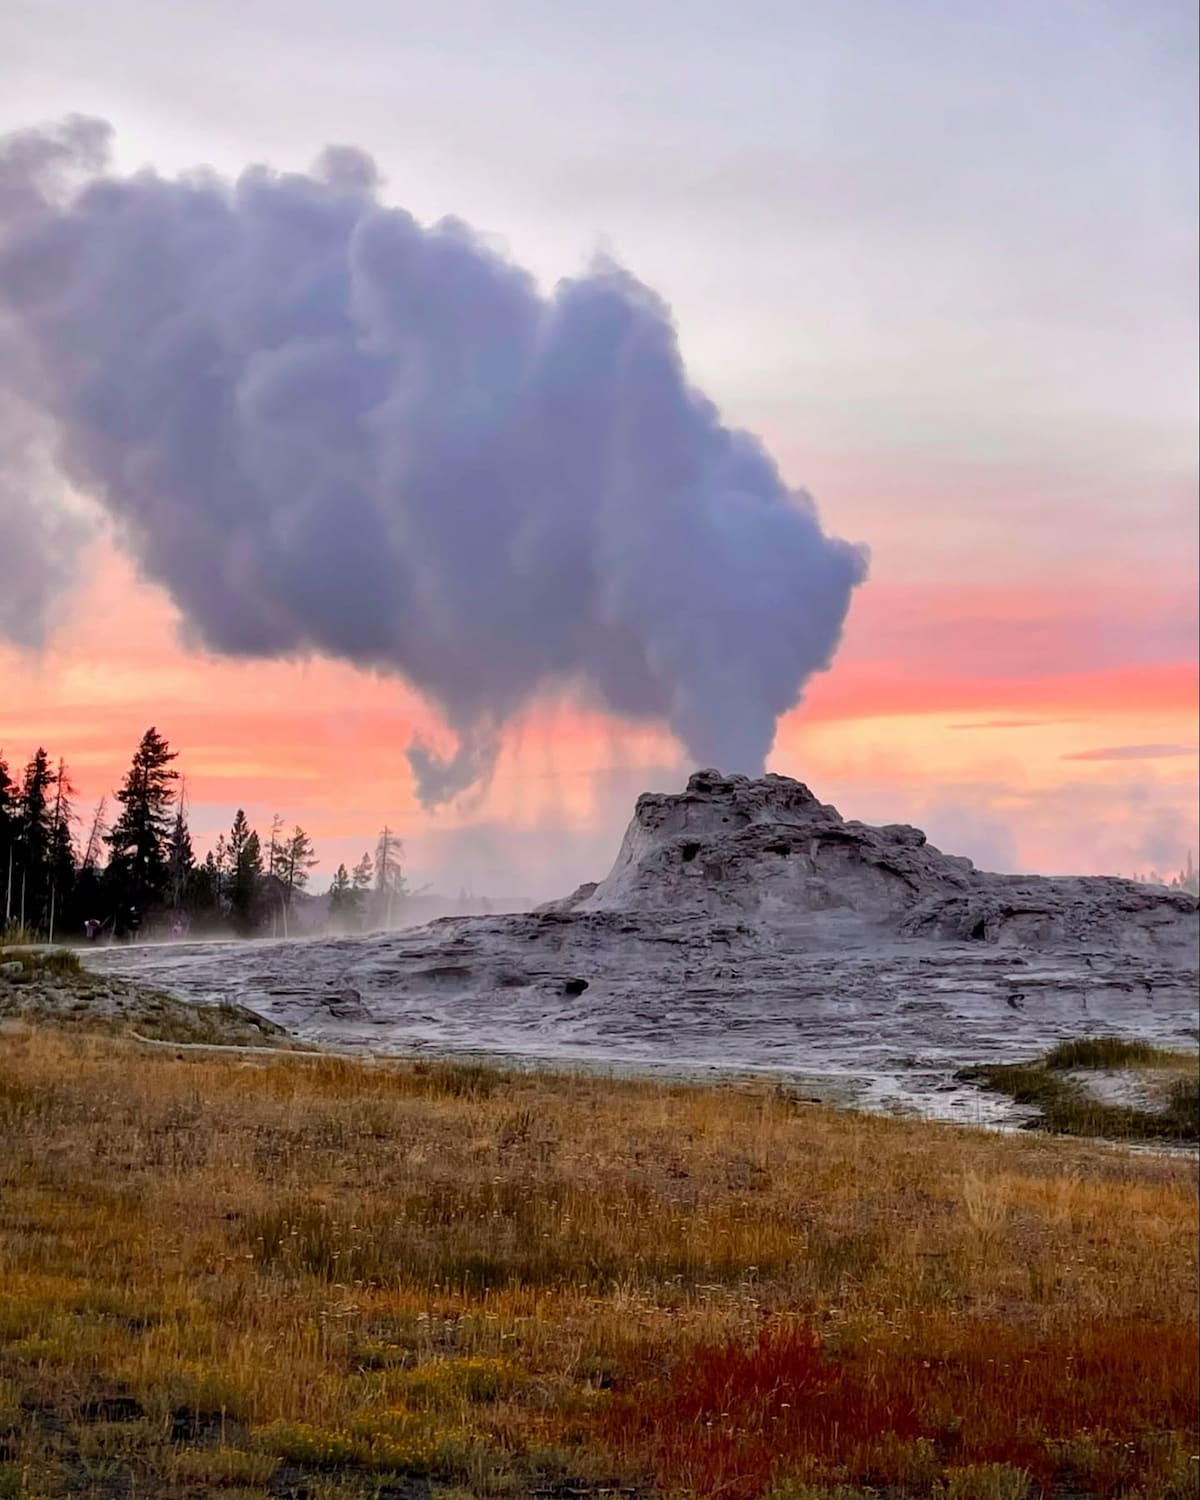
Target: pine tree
x,y
91,850
88,897
181,860
361,880
61,852
205,894
139,839
296,863
341,898
276,845
245,871
31,876
235,844
9,823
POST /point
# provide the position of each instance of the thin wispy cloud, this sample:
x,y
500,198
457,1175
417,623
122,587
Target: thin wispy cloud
x,y
1132,752
1010,724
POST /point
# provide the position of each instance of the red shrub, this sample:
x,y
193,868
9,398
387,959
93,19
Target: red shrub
x,y
1008,1391
729,1417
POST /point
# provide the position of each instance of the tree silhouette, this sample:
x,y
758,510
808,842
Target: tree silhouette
x,y
295,863
31,895
245,872
139,839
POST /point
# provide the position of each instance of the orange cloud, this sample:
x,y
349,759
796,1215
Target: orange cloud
x,y
323,743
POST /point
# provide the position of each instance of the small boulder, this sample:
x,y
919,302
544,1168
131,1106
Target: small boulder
x,y
347,1005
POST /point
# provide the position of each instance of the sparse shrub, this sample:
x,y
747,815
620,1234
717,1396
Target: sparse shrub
x,y
17,934
835,1256
56,962
985,1482
1184,1108
1067,1109
390,1440
306,1443
1173,1465
23,1104
374,1355
457,1080
223,1466
1102,1052
197,1398
10,1405
471,1379
475,1237
515,1128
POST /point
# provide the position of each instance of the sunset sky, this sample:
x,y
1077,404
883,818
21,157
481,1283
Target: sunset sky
x,y
941,257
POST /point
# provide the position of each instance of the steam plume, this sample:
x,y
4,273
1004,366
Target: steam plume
x,y
325,428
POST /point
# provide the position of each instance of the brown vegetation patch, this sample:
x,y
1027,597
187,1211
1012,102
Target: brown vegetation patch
x,y
253,1276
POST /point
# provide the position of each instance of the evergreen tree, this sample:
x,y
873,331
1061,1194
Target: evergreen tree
x,y
9,823
276,845
235,844
31,874
245,873
361,879
87,899
60,855
91,850
181,861
341,898
296,861
205,894
221,864
139,839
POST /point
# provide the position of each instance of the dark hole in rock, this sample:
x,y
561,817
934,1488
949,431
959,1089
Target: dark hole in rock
x,y
574,986
979,930
690,851
784,849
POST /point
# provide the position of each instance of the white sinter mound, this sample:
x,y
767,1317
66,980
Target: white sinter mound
x,y
746,925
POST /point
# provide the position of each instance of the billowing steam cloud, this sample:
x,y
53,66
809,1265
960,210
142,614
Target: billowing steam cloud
x,y
325,428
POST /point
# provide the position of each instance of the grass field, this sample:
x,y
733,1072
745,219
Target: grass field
x,y
1057,1086
302,1276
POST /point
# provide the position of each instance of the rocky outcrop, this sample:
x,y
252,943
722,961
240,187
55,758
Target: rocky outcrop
x,y
746,924
771,852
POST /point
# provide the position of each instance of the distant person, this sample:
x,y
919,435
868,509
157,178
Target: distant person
x,y
134,922
91,929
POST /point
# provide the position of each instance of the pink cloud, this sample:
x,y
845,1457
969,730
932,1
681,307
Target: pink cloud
x,y
1133,752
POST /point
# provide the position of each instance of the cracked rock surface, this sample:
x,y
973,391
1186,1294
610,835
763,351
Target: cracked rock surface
x,y
746,926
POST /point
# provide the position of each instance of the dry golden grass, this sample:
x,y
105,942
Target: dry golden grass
x,y
252,1276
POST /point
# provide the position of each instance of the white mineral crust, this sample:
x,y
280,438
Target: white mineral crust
x,y
745,925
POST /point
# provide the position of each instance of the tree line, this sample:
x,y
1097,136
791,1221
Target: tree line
x,y
138,873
